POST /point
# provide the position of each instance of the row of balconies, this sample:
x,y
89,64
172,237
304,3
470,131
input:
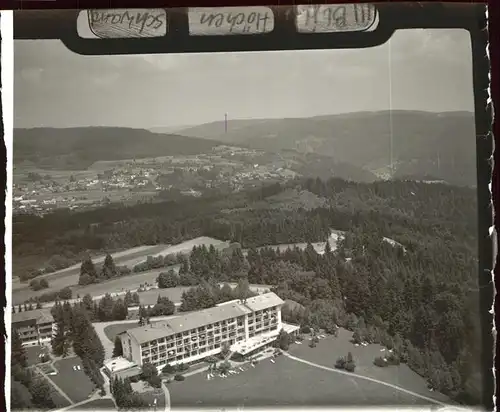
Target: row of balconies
x,y
251,334
194,338
195,345
259,318
186,352
171,357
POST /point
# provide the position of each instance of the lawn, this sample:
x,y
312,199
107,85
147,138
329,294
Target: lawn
x,y
285,383
59,400
122,284
150,297
69,276
187,246
32,353
95,405
329,349
76,384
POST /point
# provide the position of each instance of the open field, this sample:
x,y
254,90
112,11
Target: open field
x,y
120,258
285,383
186,247
76,384
20,174
101,165
150,297
131,257
329,349
95,405
69,276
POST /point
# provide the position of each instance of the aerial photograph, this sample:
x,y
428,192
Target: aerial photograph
x,y
246,230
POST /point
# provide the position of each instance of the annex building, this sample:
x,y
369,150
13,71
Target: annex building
x,y
244,326
35,327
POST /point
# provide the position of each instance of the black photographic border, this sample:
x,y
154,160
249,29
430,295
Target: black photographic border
x,y
470,17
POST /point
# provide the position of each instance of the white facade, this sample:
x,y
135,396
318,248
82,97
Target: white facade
x,y
243,326
34,327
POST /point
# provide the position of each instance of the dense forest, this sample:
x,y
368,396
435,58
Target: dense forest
x,y
419,295
405,211
421,305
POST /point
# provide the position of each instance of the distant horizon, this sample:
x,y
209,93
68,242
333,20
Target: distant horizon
x,y
179,127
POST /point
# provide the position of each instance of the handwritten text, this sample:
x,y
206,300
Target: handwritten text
x,y
128,23
248,20
347,17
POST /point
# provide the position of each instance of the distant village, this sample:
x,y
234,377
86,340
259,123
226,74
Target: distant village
x,y
225,168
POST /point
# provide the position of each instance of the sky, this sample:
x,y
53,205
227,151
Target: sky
x,y
428,70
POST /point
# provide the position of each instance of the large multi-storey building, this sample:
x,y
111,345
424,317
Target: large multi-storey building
x,y
34,327
243,326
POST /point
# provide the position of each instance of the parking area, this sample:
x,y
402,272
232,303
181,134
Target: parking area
x,y
75,383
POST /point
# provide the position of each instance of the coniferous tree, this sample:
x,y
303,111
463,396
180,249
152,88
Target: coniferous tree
x,y
41,393
118,349
18,352
88,273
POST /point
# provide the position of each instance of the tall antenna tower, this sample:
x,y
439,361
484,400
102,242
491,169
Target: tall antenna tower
x,y
225,123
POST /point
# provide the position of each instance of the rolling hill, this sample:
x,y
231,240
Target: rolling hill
x,y
77,148
441,145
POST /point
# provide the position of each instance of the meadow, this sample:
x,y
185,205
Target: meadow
x,y
286,383
329,349
74,383
69,277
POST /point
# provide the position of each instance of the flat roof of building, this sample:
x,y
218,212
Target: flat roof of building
x,y
204,317
253,343
264,301
119,364
38,315
289,328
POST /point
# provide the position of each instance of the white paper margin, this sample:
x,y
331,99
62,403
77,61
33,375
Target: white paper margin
x,y
7,56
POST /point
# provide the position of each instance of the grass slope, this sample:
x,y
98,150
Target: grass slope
x,y
285,383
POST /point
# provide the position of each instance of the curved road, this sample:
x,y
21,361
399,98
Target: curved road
x,y
167,396
366,378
